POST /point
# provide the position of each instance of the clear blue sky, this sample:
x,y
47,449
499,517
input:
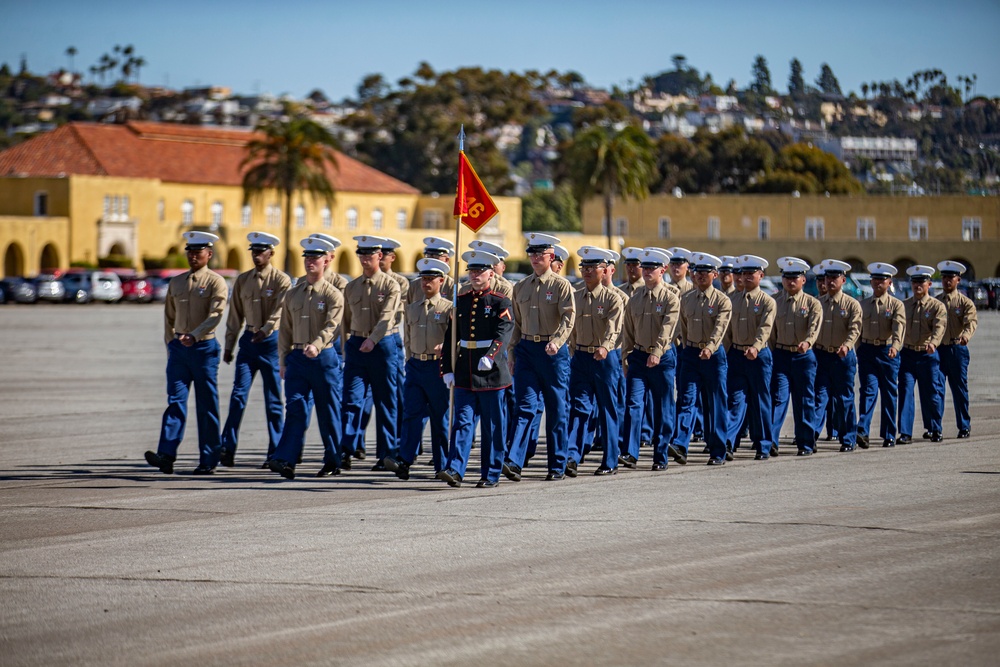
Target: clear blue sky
x,y
293,46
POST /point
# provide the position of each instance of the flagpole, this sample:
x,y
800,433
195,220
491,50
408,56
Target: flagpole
x,y
454,299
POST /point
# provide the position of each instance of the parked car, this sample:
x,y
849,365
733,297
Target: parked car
x,y
992,287
160,279
138,289
864,283
49,288
16,289
92,286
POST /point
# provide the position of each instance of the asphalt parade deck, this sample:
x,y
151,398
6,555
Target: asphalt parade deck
x,y
884,556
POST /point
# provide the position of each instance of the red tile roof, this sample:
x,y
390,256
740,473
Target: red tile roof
x,y
169,152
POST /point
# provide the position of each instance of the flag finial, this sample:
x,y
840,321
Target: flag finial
x,y
461,138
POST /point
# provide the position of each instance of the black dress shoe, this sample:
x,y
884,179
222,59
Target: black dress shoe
x,y
936,436
927,435
282,468
804,452
400,468
729,455
359,454
829,437
487,484
379,466
904,440
453,478
645,443
627,460
327,470
345,462
513,473
716,462
774,450
571,468
266,464
657,467
677,454
165,464
554,476
761,457
862,441
203,470
964,433
707,450
847,448
227,458
697,436
604,470
888,442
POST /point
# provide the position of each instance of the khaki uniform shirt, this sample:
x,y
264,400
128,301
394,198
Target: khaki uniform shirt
x,y
404,286
415,293
841,323
962,317
257,298
372,305
311,315
684,286
926,321
543,306
753,319
796,320
883,321
731,290
426,323
599,316
194,304
331,276
631,288
705,318
651,318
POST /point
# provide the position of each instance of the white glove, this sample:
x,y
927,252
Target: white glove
x,y
485,364
449,380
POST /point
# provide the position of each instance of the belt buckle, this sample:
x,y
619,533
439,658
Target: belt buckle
x,y
536,338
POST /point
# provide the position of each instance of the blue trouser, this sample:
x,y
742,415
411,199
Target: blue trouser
x,y
536,426
836,377
658,384
253,358
339,389
749,385
488,406
924,370
594,428
593,384
378,371
794,380
955,368
541,378
198,365
878,376
318,377
424,393
705,378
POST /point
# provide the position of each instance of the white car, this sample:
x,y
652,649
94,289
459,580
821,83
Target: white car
x,y
93,286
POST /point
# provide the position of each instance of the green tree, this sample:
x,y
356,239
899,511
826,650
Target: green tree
x,y
550,211
761,83
796,83
289,155
827,82
601,161
808,169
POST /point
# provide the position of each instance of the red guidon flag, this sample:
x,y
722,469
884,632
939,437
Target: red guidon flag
x,y
473,204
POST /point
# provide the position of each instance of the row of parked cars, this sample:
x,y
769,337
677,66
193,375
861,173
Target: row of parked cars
x,y
84,286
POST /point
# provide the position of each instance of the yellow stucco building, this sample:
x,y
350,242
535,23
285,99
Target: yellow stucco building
x,y
87,191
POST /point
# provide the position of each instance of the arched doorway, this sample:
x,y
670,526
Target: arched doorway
x,y
570,268
857,265
416,258
117,250
233,260
13,261
902,264
970,270
344,264
50,258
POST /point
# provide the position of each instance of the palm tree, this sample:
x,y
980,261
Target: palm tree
x,y
602,161
289,154
71,52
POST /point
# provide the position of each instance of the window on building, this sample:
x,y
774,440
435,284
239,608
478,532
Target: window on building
x,y
41,203
106,208
432,219
161,210
246,216
664,228
622,226
115,206
918,229
125,206
352,218
187,212
377,219
401,219
714,230
216,214
764,228
866,229
815,229
972,229
273,215
326,218
300,216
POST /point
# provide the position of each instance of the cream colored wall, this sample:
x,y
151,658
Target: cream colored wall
x,y
30,235
738,219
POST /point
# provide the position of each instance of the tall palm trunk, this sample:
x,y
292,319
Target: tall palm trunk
x,y
609,202
288,232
